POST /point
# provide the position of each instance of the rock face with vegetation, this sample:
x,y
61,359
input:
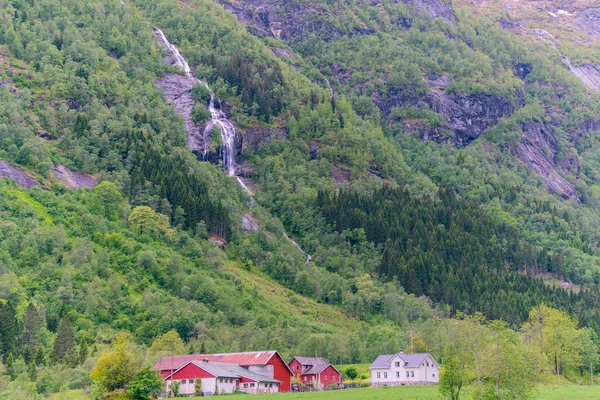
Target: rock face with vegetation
x,y
407,161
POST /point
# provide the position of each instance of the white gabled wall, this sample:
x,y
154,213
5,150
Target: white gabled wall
x,y
394,375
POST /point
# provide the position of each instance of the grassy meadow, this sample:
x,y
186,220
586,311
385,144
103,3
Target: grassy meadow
x,y
545,392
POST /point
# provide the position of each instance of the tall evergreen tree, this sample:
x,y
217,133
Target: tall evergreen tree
x,y
9,329
64,342
32,325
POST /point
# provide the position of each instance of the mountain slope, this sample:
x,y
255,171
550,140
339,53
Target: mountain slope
x,y
409,147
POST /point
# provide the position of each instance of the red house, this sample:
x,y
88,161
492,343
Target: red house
x,y
266,363
315,371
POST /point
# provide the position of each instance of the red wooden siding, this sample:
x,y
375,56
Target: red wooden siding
x,y
281,372
329,375
296,368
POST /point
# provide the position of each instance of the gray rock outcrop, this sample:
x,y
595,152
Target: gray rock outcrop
x,y
249,223
589,20
17,174
73,179
178,90
588,74
537,149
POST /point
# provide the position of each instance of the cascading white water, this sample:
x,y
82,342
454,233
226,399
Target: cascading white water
x,y
329,86
219,119
217,116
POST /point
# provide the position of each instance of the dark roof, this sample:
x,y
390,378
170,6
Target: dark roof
x,y
313,365
410,360
227,370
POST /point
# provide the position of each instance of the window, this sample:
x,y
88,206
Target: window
x,y
191,381
428,363
407,374
397,364
220,380
385,374
397,374
378,375
412,374
433,375
245,385
252,385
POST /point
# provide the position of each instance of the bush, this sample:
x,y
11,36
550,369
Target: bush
x,y
365,384
351,373
147,382
200,114
201,94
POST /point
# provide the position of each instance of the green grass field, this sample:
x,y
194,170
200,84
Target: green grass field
x,y
568,392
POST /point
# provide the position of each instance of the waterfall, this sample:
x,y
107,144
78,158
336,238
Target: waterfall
x,y
329,86
308,256
217,116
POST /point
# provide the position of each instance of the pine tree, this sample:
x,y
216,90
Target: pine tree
x,y
10,362
83,350
40,356
32,324
8,328
64,342
32,371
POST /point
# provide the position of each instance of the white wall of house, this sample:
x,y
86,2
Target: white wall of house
x,y
188,386
268,387
225,385
397,374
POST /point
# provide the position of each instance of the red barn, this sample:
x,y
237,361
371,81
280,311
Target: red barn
x,y
315,371
266,363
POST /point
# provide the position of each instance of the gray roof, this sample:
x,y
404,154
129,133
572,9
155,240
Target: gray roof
x,y
413,360
243,372
218,370
228,370
410,360
382,361
313,365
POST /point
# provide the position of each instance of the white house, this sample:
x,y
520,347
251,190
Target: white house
x,y
404,369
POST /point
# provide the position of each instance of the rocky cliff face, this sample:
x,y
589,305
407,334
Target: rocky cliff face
x,y
287,20
17,174
253,137
293,21
537,149
178,90
73,179
589,74
467,116
589,21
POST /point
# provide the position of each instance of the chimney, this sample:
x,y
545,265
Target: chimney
x,y
205,360
401,352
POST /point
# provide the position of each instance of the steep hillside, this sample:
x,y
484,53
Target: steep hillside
x,y
469,103
426,160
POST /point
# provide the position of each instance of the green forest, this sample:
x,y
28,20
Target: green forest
x,y
415,224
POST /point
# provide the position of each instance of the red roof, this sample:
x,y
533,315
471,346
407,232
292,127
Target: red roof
x,y
245,359
174,362
248,358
